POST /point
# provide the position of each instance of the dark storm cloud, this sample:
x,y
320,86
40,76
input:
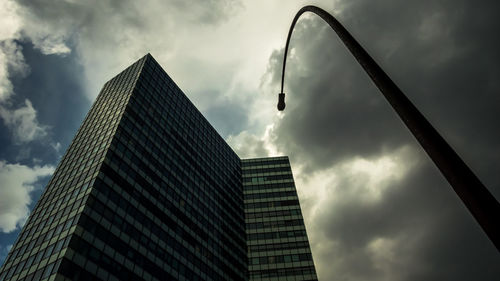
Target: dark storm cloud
x,y
433,53
333,109
428,237
445,56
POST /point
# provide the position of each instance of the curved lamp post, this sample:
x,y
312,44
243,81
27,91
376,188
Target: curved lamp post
x,y
480,202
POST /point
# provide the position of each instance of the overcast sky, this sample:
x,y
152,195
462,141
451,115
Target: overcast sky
x,y
375,207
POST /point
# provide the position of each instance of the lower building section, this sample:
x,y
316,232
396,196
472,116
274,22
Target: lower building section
x,y
278,248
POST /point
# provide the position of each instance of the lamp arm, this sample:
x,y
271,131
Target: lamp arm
x,y
476,197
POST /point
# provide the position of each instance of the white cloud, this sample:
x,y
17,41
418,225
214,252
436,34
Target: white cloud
x,y
247,145
17,182
11,57
9,20
216,43
20,24
23,123
51,46
56,146
108,35
11,63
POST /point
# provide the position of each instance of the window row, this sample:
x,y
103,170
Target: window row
x,y
273,204
278,246
283,272
273,224
284,213
268,186
268,178
277,235
270,195
264,161
266,170
281,259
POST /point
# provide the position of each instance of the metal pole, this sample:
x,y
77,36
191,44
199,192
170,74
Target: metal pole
x,y
476,197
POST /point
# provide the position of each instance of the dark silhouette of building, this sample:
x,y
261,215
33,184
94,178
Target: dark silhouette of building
x,y
148,190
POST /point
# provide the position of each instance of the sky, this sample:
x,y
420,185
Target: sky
x,y
375,206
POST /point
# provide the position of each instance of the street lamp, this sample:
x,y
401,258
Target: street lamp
x,y
480,202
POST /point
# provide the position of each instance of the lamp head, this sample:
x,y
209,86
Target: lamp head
x,y
281,101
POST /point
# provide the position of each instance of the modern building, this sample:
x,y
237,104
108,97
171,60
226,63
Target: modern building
x,y
148,190
277,244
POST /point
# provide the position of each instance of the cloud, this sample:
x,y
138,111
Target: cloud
x,y
376,208
11,63
108,35
17,26
18,181
194,40
56,146
23,123
329,122
248,145
9,20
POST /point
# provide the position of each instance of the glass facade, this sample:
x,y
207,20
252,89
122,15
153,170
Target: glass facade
x,y
148,190
44,239
278,248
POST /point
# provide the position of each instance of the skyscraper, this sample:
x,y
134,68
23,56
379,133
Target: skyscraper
x,y
277,242
148,190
